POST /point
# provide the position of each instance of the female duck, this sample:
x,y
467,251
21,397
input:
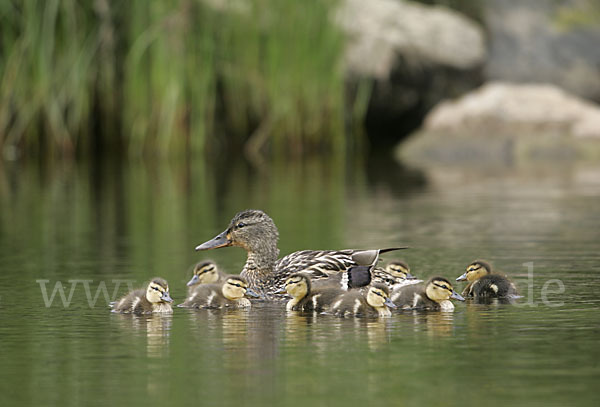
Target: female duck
x,y
484,283
375,303
205,272
435,295
256,232
230,294
155,299
306,298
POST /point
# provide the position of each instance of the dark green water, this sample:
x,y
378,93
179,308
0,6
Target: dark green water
x,y
134,221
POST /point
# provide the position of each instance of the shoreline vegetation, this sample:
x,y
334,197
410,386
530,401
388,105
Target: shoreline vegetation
x,y
170,77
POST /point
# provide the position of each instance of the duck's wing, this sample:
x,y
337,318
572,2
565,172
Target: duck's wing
x,y
317,263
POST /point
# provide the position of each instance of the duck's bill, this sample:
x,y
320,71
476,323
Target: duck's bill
x,y
410,277
282,291
251,293
461,278
166,297
457,296
193,281
220,240
390,303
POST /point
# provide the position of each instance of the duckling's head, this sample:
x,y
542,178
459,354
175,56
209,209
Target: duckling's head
x,y
204,273
439,289
399,269
158,291
235,287
378,296
298,285
250,229
476,270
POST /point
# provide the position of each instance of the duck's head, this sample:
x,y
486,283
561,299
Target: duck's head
x,y
439,289
297,285
236,287
476,270
378,296
158,291
205,272
251,229
399,269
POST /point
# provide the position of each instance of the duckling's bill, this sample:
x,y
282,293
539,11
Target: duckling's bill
x,y
463,277
166,297
193,281
457,296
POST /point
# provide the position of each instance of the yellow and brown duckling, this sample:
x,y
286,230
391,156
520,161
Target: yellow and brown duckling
x,y
205,272
229,294
254,231
353,303
395,275
306,298
434,295
485,283
154,299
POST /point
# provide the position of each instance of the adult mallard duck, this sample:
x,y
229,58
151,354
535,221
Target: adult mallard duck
x,y
255,231
485,283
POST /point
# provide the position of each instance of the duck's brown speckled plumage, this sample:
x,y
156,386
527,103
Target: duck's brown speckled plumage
x,y
256,232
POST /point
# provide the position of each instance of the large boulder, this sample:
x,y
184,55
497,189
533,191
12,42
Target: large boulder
x,y
413,55
541,41
505,122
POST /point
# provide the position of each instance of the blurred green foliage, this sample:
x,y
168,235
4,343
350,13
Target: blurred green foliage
x,y
169,76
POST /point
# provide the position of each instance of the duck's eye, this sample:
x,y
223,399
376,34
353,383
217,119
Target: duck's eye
x,y
155,288
241,225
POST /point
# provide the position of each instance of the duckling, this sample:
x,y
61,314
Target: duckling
x,y
154,299
375,303
229,294
484,283
399,269
205,272
255,231
435,295
306,298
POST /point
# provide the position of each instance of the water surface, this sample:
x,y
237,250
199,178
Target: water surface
x,y
116,224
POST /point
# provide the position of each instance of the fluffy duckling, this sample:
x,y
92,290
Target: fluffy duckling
x,y
399,269
154,299
484,283
229,294
435,295
306,298
205,272
375,303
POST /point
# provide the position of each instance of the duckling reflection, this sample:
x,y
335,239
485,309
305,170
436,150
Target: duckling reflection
x,y
485,283
437,324
155,327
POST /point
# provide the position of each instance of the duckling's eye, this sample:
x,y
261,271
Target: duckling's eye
x,y
155,288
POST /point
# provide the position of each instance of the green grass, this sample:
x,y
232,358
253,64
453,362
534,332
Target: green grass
x,y
170,76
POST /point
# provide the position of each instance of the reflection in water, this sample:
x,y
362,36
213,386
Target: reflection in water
x,y
156,327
